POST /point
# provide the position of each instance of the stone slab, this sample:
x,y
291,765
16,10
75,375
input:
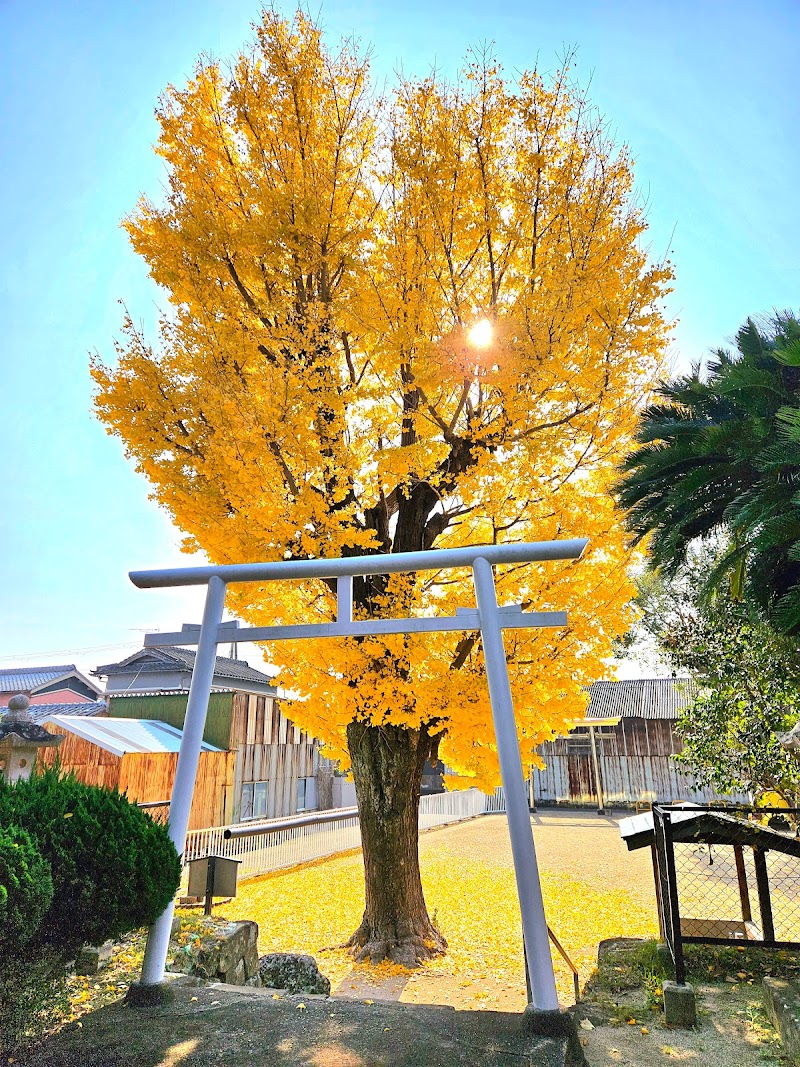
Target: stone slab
x,y
209,1025
782,1001
93,958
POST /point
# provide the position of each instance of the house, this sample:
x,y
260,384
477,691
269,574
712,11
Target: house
x,y
170,669
139,757
48,685
277,767
632,727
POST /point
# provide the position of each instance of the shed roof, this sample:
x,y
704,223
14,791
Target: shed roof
x,y
171,657
708,827
641,698
120,736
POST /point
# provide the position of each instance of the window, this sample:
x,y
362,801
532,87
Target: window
x,y
306,794
254,801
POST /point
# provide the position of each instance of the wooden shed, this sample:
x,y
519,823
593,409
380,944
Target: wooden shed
x,y
139,757
632,726
277,768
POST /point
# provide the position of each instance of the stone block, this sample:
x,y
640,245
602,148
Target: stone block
x,y
294,972
93,958
616,946
680,1009
782,1001
237,975
225,955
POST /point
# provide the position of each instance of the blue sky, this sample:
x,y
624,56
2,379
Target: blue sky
x,y
704,93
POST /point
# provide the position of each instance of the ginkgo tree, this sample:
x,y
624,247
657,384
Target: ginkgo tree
x,y
395,322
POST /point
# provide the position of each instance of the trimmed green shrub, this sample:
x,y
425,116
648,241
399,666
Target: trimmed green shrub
x,y
77,864
26,888
113,868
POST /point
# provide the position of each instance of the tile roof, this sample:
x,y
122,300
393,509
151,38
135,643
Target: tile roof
x,y
641,698
119,736
23,679
171,657
40,712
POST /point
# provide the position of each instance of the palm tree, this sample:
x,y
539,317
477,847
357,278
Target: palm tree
x,y
719,456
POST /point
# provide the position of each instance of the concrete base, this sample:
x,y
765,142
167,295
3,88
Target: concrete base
x,y
782,1001
149,996
557,1025
680,1009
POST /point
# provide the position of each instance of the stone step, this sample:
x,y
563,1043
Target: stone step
x,y
213,1024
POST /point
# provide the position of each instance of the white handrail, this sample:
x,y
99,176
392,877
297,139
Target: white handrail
x,y
287,842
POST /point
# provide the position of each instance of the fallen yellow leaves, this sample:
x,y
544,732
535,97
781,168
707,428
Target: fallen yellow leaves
x,y
472,892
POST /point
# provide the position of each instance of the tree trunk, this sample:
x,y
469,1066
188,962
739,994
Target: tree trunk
x,y
387,764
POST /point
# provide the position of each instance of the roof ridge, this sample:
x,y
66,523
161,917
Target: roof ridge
x,y
60,668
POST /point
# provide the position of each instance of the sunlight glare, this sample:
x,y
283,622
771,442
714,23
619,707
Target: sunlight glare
x,y
480,335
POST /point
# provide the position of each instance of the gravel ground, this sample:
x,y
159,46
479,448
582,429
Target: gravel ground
x,y
732,1031
593,889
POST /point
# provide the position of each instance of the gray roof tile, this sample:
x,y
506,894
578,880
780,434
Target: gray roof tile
x,y
40,712
23,679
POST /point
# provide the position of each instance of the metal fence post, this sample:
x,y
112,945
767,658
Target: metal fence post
x,y
155,955
540,964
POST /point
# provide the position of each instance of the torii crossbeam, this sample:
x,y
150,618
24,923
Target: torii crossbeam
x,y
487,617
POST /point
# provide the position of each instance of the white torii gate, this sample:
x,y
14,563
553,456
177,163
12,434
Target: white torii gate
x,y
490,619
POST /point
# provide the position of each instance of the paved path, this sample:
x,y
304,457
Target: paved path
x,y
221,1025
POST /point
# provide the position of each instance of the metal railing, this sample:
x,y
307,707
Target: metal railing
x,y
275,844
496,803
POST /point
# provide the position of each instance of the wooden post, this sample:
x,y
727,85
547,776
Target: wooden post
x,y
674,908
764,904
210,872
744,892
597,783
657,880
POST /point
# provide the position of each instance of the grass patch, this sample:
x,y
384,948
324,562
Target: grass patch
x,y
743,963
631,966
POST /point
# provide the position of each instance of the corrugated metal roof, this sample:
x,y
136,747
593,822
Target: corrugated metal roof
x,y
171,656
24,679
40,712
641,698
119,736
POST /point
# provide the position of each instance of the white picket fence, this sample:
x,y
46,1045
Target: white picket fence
x,y
274,850
496,802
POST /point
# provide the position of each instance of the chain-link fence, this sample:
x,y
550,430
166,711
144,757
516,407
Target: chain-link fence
x,y
724,877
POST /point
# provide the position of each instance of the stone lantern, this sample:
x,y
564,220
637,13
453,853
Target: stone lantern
x,y
20,740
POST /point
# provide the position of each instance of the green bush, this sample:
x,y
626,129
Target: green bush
x,y
77,864
26,888
113,868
